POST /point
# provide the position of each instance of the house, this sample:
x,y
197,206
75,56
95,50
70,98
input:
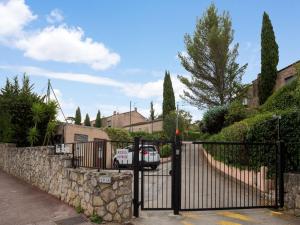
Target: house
x,y
120,120
131,121
284,76
70,133
148,126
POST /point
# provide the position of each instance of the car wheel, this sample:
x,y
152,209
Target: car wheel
x,y
116,164
153,167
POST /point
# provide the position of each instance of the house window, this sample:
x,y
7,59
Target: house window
x,y
81,138
109,123
289,79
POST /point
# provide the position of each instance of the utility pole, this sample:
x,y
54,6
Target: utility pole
x,y
48,91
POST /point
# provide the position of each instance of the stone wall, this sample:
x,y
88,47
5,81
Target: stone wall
x,y
292,192
107,193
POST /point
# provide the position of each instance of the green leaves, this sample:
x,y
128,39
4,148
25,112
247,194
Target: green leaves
x,y
33,136
168,95
215,74
269,60
78,116
98,119
87,121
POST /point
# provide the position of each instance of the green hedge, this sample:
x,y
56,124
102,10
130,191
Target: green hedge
x,y
214,119
117,134
155,136
287,97
165,151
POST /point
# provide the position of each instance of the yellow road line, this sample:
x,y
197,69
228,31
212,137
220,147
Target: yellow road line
x,y
191,215
222,222
234,216
274,213
186,223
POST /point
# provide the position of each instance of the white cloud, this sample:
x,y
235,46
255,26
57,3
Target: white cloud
x,y
139,90
15,15
60,43
66,44
55,16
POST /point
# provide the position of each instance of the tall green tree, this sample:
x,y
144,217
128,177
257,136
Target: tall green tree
x,y
78,116
210,58
152,111
98,119
168,95
87,121
269,60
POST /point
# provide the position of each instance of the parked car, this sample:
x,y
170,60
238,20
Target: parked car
x,y
148,157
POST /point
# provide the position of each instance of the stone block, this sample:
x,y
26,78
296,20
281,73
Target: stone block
x,y
97,201
112,207
108,195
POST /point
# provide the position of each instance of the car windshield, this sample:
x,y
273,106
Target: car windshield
x,y
149,148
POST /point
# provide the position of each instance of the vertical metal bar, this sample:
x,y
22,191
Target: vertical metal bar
x,y
198,156
177,175
136,177
281,173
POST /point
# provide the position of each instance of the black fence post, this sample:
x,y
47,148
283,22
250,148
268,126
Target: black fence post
x,y
281,169
177,175
136,177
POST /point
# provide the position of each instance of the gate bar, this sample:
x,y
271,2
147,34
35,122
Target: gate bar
x,y
136,177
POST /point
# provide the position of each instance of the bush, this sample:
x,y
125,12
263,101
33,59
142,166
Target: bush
x,y
95,218
117,134
193,135
166,151
236,112
213,119
287,97
155,136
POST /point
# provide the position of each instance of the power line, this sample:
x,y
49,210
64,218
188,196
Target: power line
x,y
48,97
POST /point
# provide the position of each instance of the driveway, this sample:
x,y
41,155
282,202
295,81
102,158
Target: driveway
x,y
222,217
23,204
202,186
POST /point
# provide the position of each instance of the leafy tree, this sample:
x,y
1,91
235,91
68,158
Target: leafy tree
x,y
98,119
87,121
269,60
78,116
169,125
214,119
210,59
168,95
24,116
152,111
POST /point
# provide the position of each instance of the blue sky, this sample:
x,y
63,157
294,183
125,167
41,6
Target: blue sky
x,y
102,54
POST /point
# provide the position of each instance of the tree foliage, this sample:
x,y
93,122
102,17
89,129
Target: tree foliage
x,y
168,95
87,121
211,61
78,116
98,119
152,111
24,115
269,60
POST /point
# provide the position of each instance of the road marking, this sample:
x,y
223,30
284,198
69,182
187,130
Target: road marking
x,y
186,223
234,216
276,213
222,222
191,215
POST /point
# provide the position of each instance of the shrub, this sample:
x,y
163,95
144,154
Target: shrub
x,y
213,119
286,97
236,112
166,151
95,218
117,134
155,136
193,135
79,209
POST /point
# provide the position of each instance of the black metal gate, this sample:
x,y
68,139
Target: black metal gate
x,y
211,175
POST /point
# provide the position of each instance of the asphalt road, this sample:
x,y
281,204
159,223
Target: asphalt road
x,y
202,186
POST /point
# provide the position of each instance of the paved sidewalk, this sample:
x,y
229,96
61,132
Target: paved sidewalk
x,y
221,217
22,204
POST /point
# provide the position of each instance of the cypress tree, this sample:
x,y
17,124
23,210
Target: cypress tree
x,y
168,95
87,121
98,119
152,111
269,60
78,116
